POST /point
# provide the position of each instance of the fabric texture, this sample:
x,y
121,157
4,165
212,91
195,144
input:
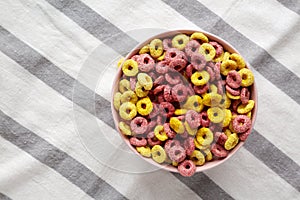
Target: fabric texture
x,y
57,65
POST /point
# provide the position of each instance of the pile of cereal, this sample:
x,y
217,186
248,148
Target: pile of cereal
x,y
184,101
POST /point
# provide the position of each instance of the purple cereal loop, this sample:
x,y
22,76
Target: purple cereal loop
x,y
245,95
219,151
241,123
189,145
187,168
244,136
177,153
167,93
170,133
218,48
198,61
204,120
162,67
145,62
167,109
193,119
173,80
211,73
138,125
179,93
234,92
159,80
192,47
201,89
177,64
233,79
220,138
167,43
138,142
132,83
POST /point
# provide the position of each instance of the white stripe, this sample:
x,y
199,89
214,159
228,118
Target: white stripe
x,y
245,177
267,23
48,114
24,178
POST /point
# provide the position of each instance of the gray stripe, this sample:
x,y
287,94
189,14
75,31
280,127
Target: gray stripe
x,y
293,5
263,62
55,158
204,186
42,68
4,197
275,159
95,24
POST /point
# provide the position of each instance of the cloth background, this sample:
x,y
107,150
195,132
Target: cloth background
x,y
48,137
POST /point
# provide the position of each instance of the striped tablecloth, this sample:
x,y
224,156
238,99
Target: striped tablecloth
x,y
51,121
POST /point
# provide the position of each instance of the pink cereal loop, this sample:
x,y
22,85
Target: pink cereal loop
x,y
192,47
219,151
241,123
234,92
138,125
218,47
198,61
211,73
167,93
201,89
170,133
204,120
138,142
167,109
179,93
244,136
167,43
233,79
189,145
145,62
170,143
187,168
177,64
177,153
162,67
193,119
220,138
245,95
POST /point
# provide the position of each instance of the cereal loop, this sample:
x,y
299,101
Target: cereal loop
x,y
129,96
208,155
208,51
233,79
144,151
124,85
238,59
177,153
245,95
167,44
170,133
124,128
230,96
177,64
227,118
160,133
145,81
199,36
192,118
145,62
158,154
117,100
197,157
144,106
180,111
187,168
231,142
156,48
130,67
247,77
204,120
127,111
179,93
219,151
180,41
167,109
215,114
138,142
200,78
140,90
218,48
204,136
189,145
194,103
120,61
177,125
190,131
198,61
227,66
192,47
212,99
241,123
245,108
144,49
139,125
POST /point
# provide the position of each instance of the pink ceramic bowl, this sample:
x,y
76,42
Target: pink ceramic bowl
x,y
116,117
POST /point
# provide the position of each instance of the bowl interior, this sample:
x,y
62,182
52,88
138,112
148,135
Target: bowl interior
x,y
135,51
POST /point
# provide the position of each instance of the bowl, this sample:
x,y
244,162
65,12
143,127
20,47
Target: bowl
x,y
116,117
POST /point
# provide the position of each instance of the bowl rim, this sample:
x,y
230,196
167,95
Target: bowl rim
x,y
212,37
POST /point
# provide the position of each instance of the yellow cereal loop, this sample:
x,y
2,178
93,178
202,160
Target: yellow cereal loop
x,y
231,141
144,151
208,51
247,77
140,90
215,114
194,103
213,88
156,48
177,125
208,154
227,66
226,56
200,78
145,81
129,96
199,36
158,154
144,106
190,130
204,136
197,157
124,85
130,67
127,111
245,108
212,99
124,128
120,61
144,49
225,102
159,133
230,96
117,100
199,146
227,118
160,58
180,41
180,111
238,59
